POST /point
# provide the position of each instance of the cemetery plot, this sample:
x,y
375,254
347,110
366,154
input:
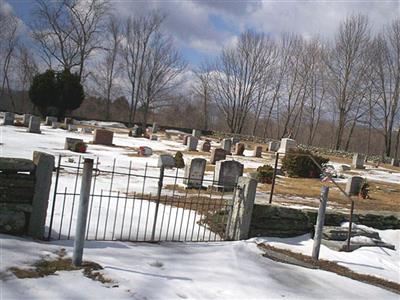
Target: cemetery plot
x,y
126,205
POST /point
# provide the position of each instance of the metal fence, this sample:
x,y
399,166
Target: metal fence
x,y
136,203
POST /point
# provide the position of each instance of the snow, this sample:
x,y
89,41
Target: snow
x,y
376,261
228,270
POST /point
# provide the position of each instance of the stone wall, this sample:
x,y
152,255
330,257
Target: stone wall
x,y
280,221
24,193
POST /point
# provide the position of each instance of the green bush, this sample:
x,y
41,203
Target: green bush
x,y
179,162
265,174
297,163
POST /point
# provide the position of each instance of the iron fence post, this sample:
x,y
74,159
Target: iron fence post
x,y
350,225
320,222
273,178
160,185
82,212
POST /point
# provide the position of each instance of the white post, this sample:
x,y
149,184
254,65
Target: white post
x,y
82,212
320,222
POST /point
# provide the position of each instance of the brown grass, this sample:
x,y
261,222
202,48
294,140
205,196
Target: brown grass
x,y
383,196
44,268
330,267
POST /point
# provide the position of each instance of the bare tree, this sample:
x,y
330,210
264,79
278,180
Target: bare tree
x,y
386,80
162,66
202,88
138,33
239,71
9,39
108,68
68,31
347,69
26,69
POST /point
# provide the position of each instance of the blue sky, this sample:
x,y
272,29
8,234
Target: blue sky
x,y
202,28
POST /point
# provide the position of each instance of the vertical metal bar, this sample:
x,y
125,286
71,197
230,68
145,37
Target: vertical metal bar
x,y
170,207
73,198
230,206
115,216
162,219
126,198
208,207
183,211
108,209
147,218
82,212
195,211
274,177
62,213
98,216
320,222
141,202
132,213
91,201
221,203
54,197
350,225
160,185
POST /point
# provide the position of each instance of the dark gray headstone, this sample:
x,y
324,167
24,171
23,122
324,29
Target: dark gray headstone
x,y
8,118
226,144
353,185
26,118
50,120
226,173
192,143
34,125
358,161
166,160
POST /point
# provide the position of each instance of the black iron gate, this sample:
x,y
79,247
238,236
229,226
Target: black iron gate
x,y
138,203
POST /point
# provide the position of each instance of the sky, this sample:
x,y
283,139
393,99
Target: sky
x,y
202,28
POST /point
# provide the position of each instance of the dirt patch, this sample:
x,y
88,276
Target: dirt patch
x,y
307,261
44,268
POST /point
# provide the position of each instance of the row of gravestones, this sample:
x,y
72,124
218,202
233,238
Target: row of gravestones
x,y
225,175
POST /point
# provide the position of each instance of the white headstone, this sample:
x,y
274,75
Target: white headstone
x,y
395,162
196,133
34,125
286,145
145,151
70,143
194,173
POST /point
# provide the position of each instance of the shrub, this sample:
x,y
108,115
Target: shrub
x,y
265,174
297,163
179,162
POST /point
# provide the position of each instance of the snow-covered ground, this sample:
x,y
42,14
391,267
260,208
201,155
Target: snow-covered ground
x,y
228,270
376,261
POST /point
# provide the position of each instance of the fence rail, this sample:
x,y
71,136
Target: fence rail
x,y
141,204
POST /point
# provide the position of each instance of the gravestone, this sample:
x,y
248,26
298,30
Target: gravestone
x,y
50,120
68,121
226,173
8,118
72,127
235,140
155,128
353,185
166,160
286,145
358,161
71,144
34,125
137,131
257,151
239,148
55,125
86,130
154,137
145,151
194,173
185,139
103,137
226,144
273,146
217,155
206,147
192,143
196,133
395,162
25,120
